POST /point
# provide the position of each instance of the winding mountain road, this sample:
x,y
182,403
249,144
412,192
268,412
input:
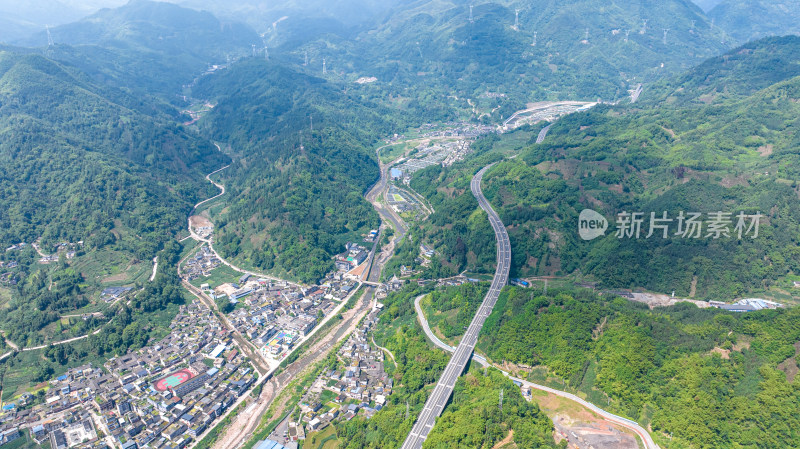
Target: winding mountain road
x,y
622,422
444,388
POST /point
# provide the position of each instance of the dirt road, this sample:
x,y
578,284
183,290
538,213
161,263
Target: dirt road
x,y
246,422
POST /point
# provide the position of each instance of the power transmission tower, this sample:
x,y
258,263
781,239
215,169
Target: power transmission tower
x,y
420,51
305,61
266,53
627,33
693,24
49,37
50,43
312,122
535,35
470,15
254,50
666,30
324,66
586,35
712,23
516,19
644,26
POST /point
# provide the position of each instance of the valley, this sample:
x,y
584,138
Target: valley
x,y
298,224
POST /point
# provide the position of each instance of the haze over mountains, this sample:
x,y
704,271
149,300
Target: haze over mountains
x,y
746,20
106,137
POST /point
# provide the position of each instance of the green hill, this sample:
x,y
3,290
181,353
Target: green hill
x,y
62,136
296,196
746,20
695,378
79,166
741,72
737,155
433,44
148,47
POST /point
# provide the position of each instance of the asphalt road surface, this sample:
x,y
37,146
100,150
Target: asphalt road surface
x,y
444,388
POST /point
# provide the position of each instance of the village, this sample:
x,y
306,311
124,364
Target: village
x,y
356,384
161,396
277,315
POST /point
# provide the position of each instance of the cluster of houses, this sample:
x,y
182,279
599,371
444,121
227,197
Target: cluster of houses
x,y
9,277
201,264
370,238
444,153
384,289
17,247
162,396
66,248
456,129
111,294
351,264
747,305
358,384
275,315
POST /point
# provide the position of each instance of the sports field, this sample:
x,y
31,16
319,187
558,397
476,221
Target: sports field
x,y
278,339
173,380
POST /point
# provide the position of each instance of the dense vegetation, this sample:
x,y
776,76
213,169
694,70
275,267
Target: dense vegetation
x,y
432,49
661,363
473,419
77,165
746,20
736,155
125,327
150,48
82,162
296,195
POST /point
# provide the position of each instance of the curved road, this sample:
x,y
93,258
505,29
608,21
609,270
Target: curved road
x,y
208,241
444,388
385,211
622,422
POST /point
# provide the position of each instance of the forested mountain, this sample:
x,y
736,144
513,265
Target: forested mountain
x,y
75,160
148,47
699,378
434,45
296,195
19,20
750,68
81,166
746,20
287,20
735,155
